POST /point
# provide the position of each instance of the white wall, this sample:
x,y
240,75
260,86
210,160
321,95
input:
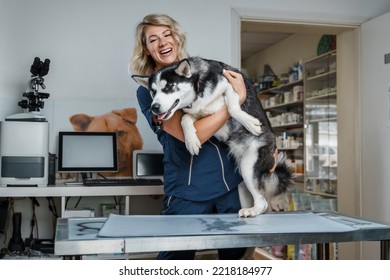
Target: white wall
x,y
299,46
90,42
375,42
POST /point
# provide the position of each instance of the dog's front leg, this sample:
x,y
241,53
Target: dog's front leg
x,y
252,124
191,139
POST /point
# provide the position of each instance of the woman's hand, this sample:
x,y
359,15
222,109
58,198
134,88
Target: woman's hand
x,y
237,82
276,161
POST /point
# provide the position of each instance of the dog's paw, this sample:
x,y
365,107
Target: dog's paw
x,y
193,145
253,211
254,126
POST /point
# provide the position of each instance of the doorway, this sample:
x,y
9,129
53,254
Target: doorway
x,y
258,36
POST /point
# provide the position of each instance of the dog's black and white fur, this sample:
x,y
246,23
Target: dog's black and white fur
x,y
198,86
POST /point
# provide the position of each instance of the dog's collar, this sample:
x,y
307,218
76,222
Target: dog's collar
x,y
159,125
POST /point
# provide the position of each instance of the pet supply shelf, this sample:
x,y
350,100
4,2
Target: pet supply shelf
x,y
322,194
290,149
322,76
298,177
289,125
279,89
284,105
63,191
332,119
320,122
326,95
322,178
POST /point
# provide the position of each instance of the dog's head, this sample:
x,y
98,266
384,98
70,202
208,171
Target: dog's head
x,y
123,122
172,88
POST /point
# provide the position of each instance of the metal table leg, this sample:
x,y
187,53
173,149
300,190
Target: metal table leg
x,y
385,250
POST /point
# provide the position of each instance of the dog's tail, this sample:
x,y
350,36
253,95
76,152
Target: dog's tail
x,y
281,179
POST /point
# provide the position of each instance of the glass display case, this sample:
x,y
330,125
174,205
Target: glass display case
x,y
320,122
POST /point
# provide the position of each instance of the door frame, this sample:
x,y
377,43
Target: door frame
x,y
349,117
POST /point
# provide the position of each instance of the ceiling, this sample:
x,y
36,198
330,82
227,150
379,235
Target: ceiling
x,y
255,41
257,36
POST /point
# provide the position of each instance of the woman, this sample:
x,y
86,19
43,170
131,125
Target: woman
x,y
202,184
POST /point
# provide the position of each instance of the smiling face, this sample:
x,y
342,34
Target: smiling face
x,y
161,45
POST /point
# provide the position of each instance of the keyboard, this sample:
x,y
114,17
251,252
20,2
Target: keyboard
x,y
122,182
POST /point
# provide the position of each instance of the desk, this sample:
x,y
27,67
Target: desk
x,y
222,232
63,191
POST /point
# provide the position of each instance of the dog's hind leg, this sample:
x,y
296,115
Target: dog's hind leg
x,y
260,204
247,163
252,124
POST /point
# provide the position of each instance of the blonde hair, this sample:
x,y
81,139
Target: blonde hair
x,y
143,64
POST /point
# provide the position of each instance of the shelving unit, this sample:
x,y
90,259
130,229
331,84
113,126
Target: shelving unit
x,y
320,118
316,147
284,108
280,89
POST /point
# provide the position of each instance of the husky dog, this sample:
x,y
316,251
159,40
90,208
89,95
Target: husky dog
x,y
198,87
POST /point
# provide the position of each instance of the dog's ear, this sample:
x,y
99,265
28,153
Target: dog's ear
x,y
128,114
80,122
184,68
142,80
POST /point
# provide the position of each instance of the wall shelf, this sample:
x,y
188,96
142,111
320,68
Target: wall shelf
x,y
279,89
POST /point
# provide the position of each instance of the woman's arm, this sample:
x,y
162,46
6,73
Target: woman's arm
x,y
207,126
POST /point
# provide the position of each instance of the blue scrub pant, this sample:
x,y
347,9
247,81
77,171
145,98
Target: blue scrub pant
x,y
228,203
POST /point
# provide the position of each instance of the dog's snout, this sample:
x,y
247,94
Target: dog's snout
x,y
155,108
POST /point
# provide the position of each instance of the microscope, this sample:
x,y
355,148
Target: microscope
x,y
24,137
34,99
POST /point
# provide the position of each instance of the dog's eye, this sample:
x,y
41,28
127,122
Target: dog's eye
x,y
169,87
120,133
152,92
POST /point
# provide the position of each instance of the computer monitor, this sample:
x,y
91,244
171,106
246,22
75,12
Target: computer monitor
x,y
148,164
84,152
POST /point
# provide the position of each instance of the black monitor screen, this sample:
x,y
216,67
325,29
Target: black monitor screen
x,y
87,152
148,164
